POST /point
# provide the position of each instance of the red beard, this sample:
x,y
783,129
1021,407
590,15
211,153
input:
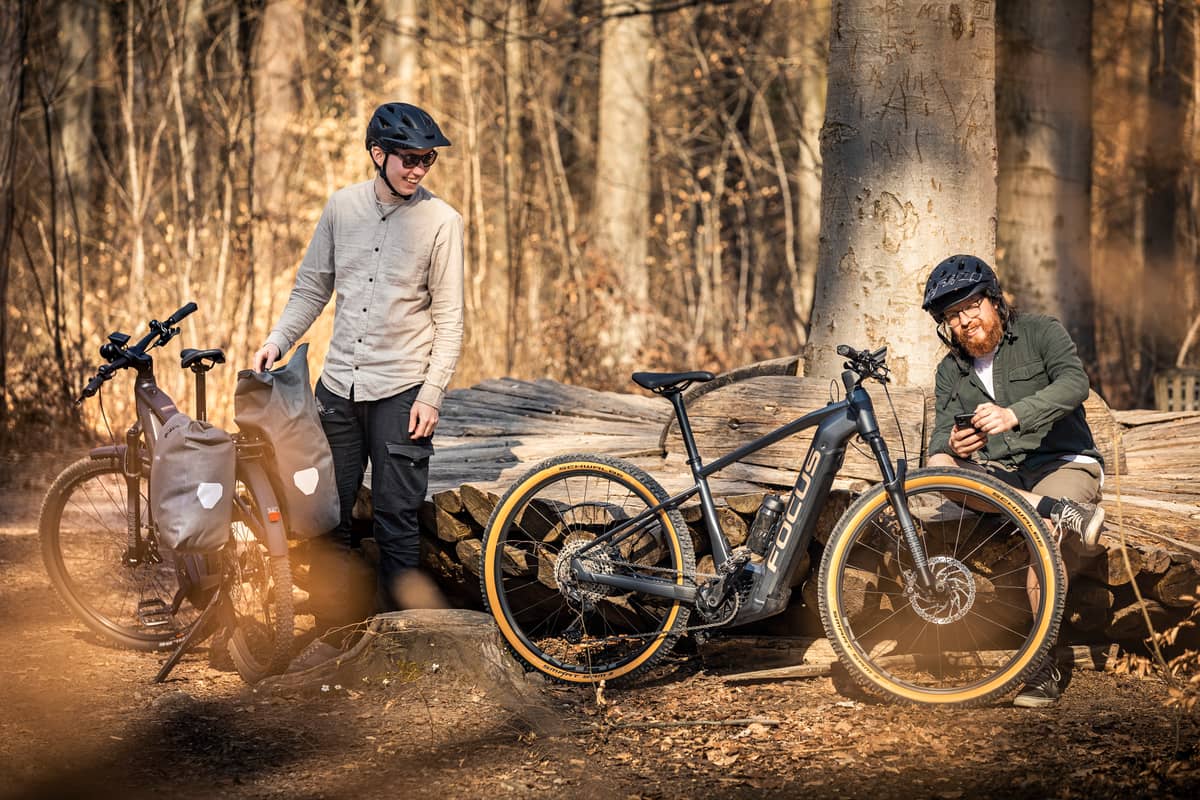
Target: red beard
x,y
983,337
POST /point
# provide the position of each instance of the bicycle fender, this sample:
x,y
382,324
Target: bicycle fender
x,y
269,523
107,451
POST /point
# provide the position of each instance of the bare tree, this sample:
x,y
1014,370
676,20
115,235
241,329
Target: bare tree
x,y
1043,129
400,48
908,153
808,57
278,54
621,197
13,32
1121,34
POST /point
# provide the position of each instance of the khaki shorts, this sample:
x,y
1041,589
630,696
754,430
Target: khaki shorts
x,y
1074,480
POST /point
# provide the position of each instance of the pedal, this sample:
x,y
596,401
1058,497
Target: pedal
x,y
154,613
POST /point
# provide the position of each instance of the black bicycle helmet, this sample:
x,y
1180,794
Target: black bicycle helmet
x,y
401,126
954,280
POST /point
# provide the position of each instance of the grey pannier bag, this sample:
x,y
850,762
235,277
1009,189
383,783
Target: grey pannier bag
x,y
279,406
191,485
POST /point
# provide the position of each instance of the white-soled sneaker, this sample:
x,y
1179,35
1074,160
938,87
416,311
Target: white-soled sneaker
x,y
1043,689
1084,519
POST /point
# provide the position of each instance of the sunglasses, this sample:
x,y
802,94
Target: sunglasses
x,y
410,160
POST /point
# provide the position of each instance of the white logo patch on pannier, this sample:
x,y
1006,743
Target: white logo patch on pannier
x,y
306,480
209,494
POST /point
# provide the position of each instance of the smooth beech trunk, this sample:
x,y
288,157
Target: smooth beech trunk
x,y
908,155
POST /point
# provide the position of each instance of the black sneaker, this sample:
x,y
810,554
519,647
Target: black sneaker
x,y
317,653
1084,519
1043,689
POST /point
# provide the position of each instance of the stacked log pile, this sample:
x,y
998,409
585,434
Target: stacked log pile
x,y
492,433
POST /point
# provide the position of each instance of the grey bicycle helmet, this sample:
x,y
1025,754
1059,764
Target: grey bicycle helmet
x,y
954,280
402,126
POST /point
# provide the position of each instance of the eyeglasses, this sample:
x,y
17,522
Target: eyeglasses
x,y
970,310
410,160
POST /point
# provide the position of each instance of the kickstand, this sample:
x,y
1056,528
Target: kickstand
x,y
209,611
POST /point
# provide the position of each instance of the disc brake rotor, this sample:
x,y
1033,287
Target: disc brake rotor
x,y
952,596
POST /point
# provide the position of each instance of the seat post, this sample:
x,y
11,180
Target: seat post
x,y
201,399
685,430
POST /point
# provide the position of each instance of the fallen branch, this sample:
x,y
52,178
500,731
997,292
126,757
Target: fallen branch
x,y
683,723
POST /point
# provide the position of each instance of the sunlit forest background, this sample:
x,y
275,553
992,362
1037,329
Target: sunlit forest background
x,y
641,182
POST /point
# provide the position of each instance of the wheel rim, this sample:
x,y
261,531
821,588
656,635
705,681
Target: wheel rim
x,y
567,628
978,634
91,543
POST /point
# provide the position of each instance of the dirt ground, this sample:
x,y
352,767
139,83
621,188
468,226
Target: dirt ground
x,y
79,719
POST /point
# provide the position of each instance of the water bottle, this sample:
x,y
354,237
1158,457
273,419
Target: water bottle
x,y
766,523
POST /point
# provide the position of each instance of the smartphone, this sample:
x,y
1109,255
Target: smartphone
x,y
963,420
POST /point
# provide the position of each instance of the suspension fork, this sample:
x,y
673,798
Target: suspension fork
x,y
893,484
137,550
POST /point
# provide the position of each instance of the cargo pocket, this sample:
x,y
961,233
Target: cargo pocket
x,y
413,454
409,472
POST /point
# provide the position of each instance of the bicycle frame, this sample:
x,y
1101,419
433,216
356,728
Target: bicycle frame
x,y
153,408
835,424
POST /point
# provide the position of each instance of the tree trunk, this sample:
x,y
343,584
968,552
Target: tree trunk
x,y
400,49
808,59
1121,54
76,36
277,63
621,200
13,32
512,167
1043,132
909,174
1167,267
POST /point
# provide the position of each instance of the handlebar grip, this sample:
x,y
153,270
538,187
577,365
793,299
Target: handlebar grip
x,y
175,318
846,351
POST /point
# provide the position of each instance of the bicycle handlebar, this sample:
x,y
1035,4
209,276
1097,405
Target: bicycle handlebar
x,y
119,356
180,314
865,363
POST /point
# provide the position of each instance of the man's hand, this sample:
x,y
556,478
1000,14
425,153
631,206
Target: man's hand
x,y
964,441
266,357
992,419
422,420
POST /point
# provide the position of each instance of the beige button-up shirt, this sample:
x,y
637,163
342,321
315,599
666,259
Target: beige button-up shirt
x,y
398,274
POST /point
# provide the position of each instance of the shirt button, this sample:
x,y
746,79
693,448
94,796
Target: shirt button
x,y
370,280
364,311
376,249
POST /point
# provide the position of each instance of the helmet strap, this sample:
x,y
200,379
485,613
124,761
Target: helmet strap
x,y
382,170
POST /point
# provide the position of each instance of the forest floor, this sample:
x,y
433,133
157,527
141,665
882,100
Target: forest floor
x,y
79,719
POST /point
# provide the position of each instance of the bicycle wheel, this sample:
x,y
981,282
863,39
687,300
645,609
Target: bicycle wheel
x,y
83,531
259,588
567,629
992,620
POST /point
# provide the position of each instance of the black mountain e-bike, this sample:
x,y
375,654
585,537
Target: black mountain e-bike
x,y
937,586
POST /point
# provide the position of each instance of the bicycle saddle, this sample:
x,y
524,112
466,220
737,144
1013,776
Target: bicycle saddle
x,y
669,382
190,356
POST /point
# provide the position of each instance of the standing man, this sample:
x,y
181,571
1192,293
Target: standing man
x,y
393,252
1021,382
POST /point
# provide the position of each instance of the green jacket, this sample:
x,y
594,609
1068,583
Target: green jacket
x,y
1038,375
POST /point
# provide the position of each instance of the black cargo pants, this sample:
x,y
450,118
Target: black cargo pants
x,y
378,430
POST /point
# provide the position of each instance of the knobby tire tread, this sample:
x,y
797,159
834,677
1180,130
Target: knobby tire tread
x,y
678,533
49,532
873,498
